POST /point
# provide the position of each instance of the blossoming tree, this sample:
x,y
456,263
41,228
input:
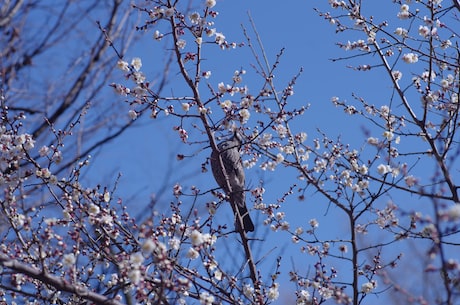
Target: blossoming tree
x,y
65,242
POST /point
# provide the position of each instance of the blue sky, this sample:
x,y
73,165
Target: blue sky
x,y
145,155
309,43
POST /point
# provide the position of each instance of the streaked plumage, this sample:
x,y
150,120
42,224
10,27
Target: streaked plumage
x,y
231,158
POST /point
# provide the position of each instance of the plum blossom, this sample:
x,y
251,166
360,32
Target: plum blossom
x,y
220,38
343,248
303,297
194,17
43,173
424,31
313,223
248,291
136,259
210,32
93,210
25,140
210,3
404,12
454,212
383,169
132,114
446,44
373,141
148,246
388,135
157,35
368,287
206,298
44,151
410,58
281,130
183,134
123,65
397,75
106,197
273,292
207,74
223,88
181,43
227,104
196,238
244,115
69,260
135,276
401,32
428,76
363,169
288,149
169,12
192,254
136,63
138,77
279,158
186,107
325,292
410,180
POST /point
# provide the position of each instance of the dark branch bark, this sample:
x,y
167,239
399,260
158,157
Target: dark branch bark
x,y
59,283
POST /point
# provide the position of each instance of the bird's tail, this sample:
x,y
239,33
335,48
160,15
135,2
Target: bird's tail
x,y
240,202
247,221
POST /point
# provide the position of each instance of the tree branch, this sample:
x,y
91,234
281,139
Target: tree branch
x,y
59,283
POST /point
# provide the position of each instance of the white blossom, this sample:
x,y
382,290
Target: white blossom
x,y
404,12
69,260
169,12
220,38
397,75
196,238
313,223
248,291
186,107
123,65
106,197
279,158
273,292
136,259
401,32
135,276
383,169
210,3
373,141
410,58
388,135
454,212
132,114
181,43
446,44
410,180
244,115
206,298
157,35
194,17
368,287
93,209
423,31
192,253
136,63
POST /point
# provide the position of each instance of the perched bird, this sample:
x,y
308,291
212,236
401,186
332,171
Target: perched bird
x,y
229,151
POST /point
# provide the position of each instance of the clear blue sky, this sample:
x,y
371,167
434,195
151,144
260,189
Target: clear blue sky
x,y
145,155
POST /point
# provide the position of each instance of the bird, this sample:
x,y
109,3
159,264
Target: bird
x,y
229,151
